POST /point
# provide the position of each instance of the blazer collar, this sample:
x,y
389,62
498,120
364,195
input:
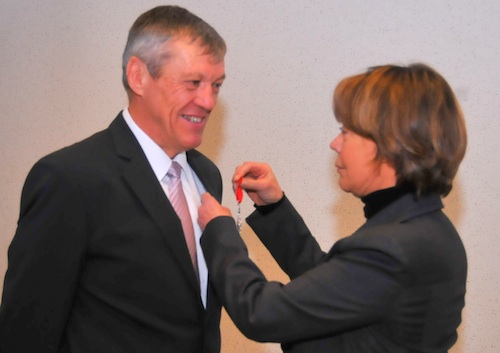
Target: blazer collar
x,y
128,148
407,207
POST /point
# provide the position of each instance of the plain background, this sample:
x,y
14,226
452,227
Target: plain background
x,y
60,81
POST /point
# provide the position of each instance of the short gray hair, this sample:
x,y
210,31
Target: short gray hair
x,y
156,26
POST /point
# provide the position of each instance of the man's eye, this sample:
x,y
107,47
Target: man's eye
x,y
217,85
193,84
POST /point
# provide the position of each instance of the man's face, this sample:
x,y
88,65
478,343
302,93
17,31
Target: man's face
x,y
175,106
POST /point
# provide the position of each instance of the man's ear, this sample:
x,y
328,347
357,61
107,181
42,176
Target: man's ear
x,y
137,73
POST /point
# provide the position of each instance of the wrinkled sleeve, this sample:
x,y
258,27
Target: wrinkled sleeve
x,y
326,295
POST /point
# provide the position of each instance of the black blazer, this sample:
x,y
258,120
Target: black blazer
x,y
99,262
396,285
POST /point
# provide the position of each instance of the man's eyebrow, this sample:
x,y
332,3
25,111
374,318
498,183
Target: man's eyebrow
x,y
202,77
223,77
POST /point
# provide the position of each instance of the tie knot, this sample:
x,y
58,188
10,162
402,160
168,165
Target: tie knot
x,y
175,170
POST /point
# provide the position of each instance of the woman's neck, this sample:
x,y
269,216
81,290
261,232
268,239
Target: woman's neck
x,y
378,200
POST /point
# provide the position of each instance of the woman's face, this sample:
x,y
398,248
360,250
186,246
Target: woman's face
x,y
360,173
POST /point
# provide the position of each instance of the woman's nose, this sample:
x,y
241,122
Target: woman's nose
x,y
336,143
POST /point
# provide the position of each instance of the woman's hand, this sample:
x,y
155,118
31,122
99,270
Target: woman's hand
x,y
210,208
259,182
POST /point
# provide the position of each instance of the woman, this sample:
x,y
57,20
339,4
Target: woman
x,y
398,283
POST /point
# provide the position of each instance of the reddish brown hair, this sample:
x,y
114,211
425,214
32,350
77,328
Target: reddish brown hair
x,y
413,116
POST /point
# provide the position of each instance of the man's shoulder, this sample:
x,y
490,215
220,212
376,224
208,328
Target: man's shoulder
x,y
198,160
94,145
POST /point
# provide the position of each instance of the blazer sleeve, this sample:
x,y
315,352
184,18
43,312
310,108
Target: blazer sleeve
x,y
343,291
44,261
288,239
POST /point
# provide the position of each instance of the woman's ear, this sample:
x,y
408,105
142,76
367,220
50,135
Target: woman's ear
x,y
137,73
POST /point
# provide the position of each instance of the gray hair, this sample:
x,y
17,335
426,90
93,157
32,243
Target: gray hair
x,y
158,25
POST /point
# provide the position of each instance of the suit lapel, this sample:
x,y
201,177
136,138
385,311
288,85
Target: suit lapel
x,y
210,178
201,166
138,174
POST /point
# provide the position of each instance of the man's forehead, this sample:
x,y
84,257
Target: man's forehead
x,y
195,46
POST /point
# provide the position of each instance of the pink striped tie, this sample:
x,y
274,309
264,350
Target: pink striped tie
x,y
178,201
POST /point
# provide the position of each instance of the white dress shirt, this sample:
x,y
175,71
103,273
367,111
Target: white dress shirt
x,y
193,188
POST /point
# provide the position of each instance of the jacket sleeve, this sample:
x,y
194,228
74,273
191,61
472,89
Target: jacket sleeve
x,y
44,261
343,291
287,237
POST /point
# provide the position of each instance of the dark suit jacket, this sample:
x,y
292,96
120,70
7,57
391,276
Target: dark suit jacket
x,y
99,262
396,285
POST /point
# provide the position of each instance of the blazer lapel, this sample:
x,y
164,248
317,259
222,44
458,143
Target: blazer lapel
x,y
211,181
138,174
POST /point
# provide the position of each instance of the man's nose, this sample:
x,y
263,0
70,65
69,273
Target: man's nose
x,y
207,97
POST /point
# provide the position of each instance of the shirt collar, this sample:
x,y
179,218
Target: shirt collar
x,y
160,162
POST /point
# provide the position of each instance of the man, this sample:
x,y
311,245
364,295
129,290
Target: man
x,y
99,262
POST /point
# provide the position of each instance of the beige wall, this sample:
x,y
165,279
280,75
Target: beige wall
x,y
60,81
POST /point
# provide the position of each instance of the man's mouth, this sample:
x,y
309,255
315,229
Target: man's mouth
x,y
193,119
